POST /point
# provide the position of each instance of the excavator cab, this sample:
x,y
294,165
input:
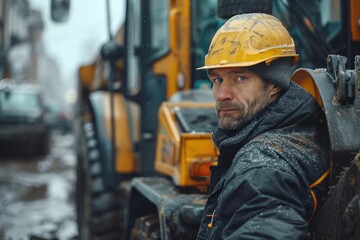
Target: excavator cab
x,y
144,141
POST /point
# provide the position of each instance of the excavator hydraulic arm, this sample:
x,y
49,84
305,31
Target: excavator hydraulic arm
x,y
337,91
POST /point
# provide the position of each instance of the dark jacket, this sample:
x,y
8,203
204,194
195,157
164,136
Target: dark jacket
x,y
260,188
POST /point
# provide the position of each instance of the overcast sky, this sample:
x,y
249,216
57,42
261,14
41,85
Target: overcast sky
x,y
78,40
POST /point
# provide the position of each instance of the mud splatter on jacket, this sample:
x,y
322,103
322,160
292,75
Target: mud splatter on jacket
x,y
261,186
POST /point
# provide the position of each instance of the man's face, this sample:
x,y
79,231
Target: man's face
x,y
239,94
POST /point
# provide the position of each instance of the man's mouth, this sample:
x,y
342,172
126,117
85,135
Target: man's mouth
x,y
227,110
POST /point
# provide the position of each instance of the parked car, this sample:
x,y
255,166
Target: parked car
x,y
22,120
59,116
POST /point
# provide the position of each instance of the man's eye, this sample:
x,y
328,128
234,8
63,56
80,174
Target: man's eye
x,y
240,78
216,80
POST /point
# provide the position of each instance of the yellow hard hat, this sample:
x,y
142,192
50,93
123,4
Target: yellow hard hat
x,y
248,39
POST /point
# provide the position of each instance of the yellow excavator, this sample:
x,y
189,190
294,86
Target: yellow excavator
x,y
145,115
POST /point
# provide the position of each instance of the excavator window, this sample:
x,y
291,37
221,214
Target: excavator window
x,y
204,25
316,27
141,42
159,15
133,42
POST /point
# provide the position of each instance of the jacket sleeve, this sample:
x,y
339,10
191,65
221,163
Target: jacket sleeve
x,y
264,203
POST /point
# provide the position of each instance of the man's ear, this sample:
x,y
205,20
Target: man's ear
x,y
274,91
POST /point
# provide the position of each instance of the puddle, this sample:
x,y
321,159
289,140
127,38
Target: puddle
x,y
36,195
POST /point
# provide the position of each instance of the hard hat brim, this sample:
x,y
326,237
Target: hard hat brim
x,y
294,60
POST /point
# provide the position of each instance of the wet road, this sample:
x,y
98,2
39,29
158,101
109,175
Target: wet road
x,y
37,194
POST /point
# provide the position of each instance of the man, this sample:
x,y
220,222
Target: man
x,y
271,172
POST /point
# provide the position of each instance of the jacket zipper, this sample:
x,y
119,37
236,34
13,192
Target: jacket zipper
x,y
211,224
213,215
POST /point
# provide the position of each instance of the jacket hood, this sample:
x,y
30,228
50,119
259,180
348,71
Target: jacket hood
x,y
294,106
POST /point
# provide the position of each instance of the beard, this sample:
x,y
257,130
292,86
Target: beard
x,y
245,113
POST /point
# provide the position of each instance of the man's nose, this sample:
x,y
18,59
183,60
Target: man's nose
x,y
224,92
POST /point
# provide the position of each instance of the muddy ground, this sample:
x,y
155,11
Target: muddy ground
x,y
37,193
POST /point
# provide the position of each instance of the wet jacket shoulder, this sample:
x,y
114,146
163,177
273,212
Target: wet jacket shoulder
x,y
261,186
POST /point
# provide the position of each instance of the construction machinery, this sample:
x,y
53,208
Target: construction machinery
x,y
145,114
14,17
